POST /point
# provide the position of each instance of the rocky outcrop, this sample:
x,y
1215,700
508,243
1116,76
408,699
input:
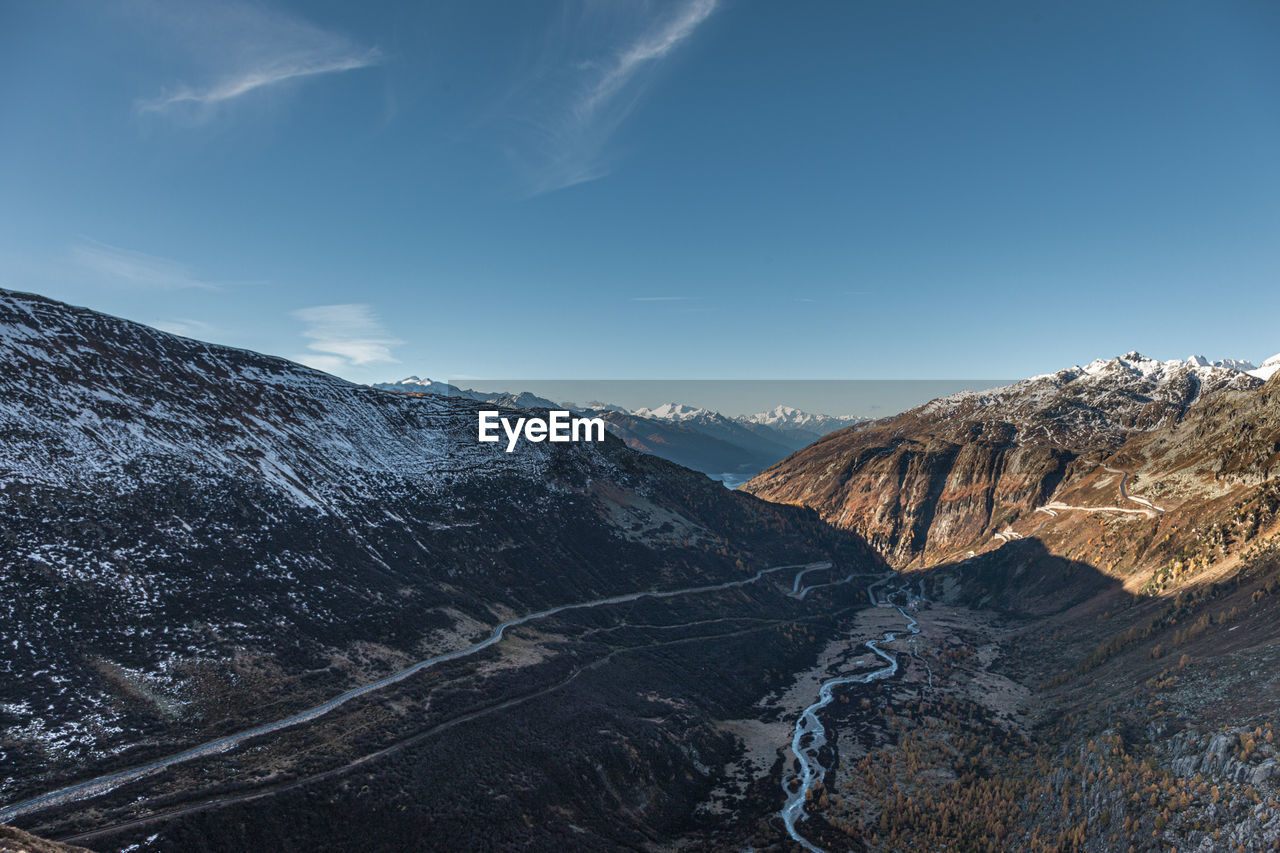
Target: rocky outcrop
x,y
14,840
1220,756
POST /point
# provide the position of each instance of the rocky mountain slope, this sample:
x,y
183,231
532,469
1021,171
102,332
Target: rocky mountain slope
x,y
198,540
949,474
1099,673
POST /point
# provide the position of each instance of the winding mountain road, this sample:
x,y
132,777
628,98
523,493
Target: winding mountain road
x,y
1148,509
103,784
1051,509
1124,493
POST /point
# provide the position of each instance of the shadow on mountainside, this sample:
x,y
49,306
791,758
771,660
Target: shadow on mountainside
x,y
1021,578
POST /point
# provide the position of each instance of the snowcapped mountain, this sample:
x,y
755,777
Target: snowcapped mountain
x,y
780,417
675,412
801,424
1093,405
1232,363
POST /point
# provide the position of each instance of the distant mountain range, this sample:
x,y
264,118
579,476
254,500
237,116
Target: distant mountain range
x,y
731,449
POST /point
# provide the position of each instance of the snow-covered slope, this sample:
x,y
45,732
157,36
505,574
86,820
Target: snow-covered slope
x,y
193,533
1267,369
91,399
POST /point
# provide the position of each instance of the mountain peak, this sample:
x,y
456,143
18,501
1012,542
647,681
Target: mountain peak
x,y
1134,363
673,412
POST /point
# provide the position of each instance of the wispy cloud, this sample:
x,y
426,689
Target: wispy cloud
x,y
135,269
590,82
244,48
648,48
663,298
342,336
243,82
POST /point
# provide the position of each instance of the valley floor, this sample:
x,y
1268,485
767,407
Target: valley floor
x,y
1071,716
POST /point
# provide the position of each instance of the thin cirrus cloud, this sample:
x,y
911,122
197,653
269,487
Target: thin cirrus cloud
x,y
595,76
239,49
344,336
648,48
135,269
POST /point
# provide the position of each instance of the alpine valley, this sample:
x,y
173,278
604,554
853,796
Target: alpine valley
x,y
251,606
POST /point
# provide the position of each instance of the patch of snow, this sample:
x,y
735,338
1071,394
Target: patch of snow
x,y
1267,369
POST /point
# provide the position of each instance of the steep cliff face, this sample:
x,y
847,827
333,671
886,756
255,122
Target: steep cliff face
x,y
953,472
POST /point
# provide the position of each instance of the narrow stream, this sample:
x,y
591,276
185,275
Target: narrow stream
x,y
810,735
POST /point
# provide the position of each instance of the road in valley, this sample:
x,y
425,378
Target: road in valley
x,y
103,784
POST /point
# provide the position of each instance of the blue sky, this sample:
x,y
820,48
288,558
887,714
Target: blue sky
x,y
688,189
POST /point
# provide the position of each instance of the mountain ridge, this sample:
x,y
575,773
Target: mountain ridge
x,y
952,471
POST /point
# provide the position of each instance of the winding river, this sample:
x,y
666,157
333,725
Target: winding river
x,y
810,735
